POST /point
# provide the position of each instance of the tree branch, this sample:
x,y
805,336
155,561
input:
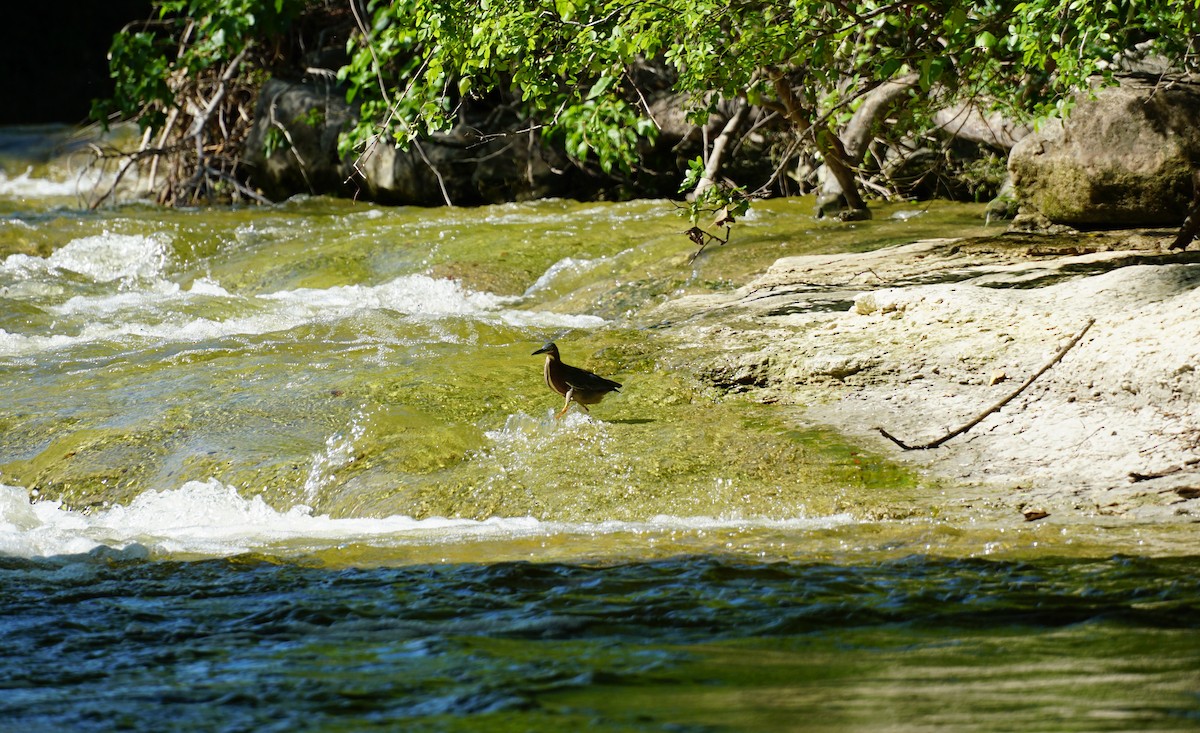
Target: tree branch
x,y
718,149
437,174
996,407
875,104
825,140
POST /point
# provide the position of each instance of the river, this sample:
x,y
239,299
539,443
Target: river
x,y
294,468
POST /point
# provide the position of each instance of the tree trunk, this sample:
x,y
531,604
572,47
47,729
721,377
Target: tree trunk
x,y
718,149
966,121
828,144
837,162
875,104
856,137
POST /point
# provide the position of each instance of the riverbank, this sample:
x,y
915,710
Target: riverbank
x,y
920,339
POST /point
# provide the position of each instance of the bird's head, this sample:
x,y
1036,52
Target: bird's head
x,y
549,348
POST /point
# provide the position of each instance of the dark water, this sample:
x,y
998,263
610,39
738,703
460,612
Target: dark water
x,y
100,642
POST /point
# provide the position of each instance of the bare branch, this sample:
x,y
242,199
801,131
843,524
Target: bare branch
x,y
718,148
996,407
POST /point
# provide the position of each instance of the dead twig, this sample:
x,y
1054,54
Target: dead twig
x,y
436,173
702,239
996,407
1136,476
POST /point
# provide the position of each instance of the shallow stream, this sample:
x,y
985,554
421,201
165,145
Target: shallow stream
x,y
295,468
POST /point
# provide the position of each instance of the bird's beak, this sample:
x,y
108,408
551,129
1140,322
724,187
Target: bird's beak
x,y
542,350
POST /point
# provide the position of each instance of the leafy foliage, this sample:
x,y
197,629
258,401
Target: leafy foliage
x,y
1025,56
188,40
189,78
572,68
570,65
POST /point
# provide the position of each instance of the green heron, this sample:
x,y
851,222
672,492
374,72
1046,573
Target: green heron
x,y
575,384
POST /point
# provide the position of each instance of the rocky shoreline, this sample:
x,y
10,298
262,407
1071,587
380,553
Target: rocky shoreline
x,y
920,339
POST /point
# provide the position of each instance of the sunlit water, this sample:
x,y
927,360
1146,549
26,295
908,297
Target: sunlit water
x,y
294,468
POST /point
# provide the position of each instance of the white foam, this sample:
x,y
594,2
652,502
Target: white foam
x,y
201,517
525,435
424,296
18,344
211,519
155,294
107,257
339,451
413,294
102,258
27,186
159,309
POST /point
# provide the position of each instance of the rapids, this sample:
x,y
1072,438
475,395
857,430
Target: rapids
x,y
370,362
294,468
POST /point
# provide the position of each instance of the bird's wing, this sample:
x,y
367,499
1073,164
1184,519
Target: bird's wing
x,y
583,380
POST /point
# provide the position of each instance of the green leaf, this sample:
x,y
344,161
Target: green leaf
x,y
566,8
955,19
601,87
932,70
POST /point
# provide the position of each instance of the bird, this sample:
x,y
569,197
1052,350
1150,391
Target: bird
x,y
575,384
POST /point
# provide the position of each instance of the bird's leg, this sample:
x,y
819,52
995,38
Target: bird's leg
x,y
566,405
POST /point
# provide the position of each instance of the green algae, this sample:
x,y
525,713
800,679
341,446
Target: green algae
x,y
376,412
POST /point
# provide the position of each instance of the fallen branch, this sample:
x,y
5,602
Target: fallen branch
x,y
996,407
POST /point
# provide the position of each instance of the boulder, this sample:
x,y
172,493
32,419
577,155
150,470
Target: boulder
x,y
465,168
1122,158
292,146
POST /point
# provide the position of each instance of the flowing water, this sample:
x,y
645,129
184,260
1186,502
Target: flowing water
x,y
294,468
